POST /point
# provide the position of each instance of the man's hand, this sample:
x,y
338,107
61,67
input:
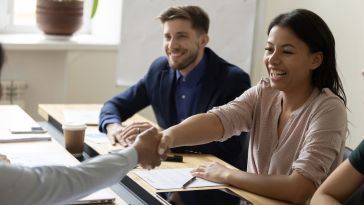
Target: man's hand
x,y
130,132
146,145
114,132
126,135
3,158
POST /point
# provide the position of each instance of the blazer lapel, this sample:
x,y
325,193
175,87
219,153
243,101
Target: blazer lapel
x,y
167,100
209,85
205,99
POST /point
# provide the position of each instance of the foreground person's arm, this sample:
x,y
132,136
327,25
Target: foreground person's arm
x,y
60,184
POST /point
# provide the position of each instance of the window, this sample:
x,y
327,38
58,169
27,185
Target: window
x,y
24,13
18,16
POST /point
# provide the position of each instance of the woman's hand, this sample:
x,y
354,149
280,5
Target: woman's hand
x,y
215,172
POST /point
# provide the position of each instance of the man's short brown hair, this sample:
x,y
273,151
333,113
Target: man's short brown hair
x,y
198,17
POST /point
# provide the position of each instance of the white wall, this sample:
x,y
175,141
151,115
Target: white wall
x,y
64,77
223,36
346,21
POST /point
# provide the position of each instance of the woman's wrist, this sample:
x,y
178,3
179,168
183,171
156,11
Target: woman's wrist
x,y
227,176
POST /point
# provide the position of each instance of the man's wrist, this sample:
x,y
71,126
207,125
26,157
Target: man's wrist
x,y
112,126
104,123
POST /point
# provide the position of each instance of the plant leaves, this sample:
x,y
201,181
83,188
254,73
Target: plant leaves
x,y
94,8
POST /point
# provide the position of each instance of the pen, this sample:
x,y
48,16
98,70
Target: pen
x,y
184,186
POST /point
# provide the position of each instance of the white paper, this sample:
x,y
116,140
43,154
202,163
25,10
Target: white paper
x,y
96,136
7,136
36,157
172,178
89,117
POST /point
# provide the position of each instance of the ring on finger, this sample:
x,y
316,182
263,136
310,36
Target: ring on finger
x,y
138,130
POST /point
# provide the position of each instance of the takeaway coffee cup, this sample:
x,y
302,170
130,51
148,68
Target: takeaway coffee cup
x,y
74,135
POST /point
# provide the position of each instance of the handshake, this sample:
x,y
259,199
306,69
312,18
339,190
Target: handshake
x,y
152,147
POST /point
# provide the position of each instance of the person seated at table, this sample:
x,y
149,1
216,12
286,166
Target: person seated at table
x,y
61,184
190,79
344,181
296,118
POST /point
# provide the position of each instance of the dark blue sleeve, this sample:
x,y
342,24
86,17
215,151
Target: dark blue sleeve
x,y
132,100
357,158
124,105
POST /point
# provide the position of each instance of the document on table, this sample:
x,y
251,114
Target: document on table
x,y
37,157
7,136
172,178
96,136
89,117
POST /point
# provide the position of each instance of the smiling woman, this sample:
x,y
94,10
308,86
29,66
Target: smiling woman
x,y
297,125
290,63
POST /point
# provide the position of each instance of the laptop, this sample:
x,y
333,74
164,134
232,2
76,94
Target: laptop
x,y
102,196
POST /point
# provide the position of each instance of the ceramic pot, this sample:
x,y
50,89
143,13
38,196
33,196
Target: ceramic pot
x,y
59,17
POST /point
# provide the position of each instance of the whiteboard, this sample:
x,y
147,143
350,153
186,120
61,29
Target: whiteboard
x,y
141,41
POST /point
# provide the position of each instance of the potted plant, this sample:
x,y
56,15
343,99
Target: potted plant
x,y
61,17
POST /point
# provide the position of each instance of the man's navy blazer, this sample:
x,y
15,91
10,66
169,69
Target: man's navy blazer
x,y
221,83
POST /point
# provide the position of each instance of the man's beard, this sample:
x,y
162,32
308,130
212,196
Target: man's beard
x,y
187,61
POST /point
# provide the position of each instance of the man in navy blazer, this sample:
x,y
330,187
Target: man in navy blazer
x,y
190,79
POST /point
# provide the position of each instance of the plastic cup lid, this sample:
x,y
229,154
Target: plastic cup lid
x,y
74,126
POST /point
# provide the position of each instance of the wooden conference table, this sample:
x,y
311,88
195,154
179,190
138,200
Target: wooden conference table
x,y
32,152
53,113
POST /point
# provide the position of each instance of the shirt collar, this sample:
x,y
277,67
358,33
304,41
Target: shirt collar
x,y
196,74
